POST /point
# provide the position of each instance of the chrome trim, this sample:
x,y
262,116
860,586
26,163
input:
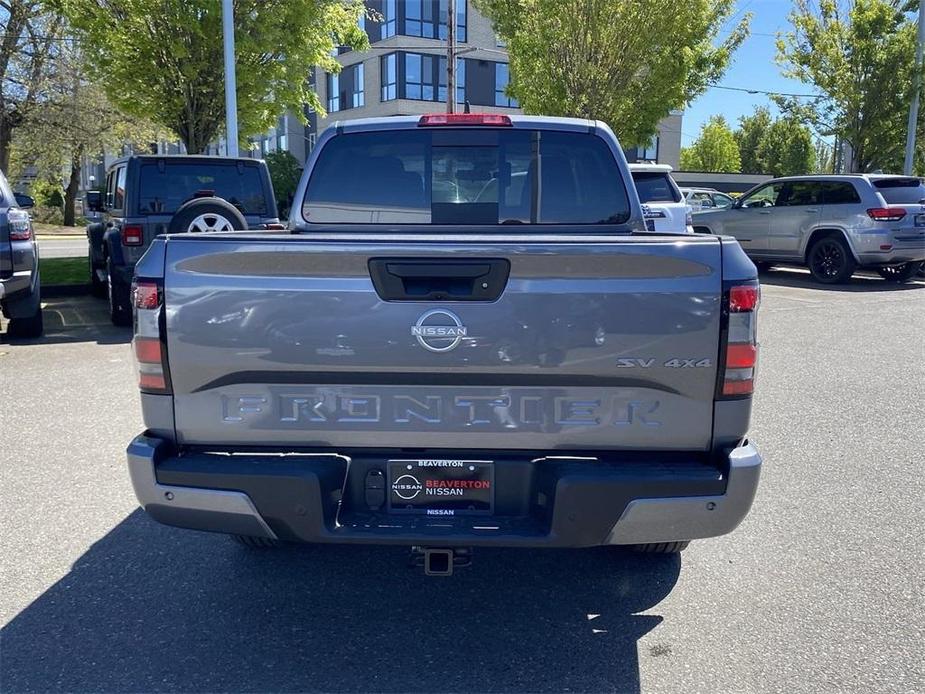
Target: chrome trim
x,y
695,517
142,453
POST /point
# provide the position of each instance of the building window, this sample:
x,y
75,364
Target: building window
x,y
419,18
650,151
389,18
333,93
357,97
389,77
502,77
312,139
282,133
460,19
419,77
460,80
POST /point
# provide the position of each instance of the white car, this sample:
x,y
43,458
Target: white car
x,y
702,199
664,205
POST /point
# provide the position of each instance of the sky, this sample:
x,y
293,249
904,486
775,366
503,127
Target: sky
x,y
752,67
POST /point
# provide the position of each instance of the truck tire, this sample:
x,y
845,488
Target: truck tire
x,y
206,214
661,547
900,273
97,286
255,542
830,260
120,310
28,327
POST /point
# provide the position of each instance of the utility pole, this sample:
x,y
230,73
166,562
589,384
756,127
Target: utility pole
x,y
914,106
451,56
231,89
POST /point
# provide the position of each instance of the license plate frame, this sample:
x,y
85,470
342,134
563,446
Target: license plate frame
x,y
438,487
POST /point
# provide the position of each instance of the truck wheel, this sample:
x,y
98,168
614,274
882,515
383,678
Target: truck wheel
x,y
120,313
31,326
255,542
206,214
900,273
97,286
830,260
661,547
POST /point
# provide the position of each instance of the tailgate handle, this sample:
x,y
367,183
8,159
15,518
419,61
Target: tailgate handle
x,y
429,279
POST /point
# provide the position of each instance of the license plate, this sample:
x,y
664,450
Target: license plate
x,y
441,487
920,220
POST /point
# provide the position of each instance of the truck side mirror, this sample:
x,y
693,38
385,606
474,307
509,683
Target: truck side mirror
x,y
94,201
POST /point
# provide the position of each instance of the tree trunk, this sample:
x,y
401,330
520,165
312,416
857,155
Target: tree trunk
x,y
4,149
73,184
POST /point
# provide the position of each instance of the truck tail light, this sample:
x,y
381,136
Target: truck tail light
x,y
886,214
495,119
149,343
739,353
133,235
20,225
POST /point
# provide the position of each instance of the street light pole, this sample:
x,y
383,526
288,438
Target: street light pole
x,y
914,106
451,56
231,95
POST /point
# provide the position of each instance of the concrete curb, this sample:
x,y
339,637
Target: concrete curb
x,y
54,291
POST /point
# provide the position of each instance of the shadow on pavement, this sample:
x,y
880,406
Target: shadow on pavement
x,y
801,279
75,319
149,608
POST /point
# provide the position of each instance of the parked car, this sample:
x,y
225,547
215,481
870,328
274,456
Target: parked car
x,y
147,195
664,207
467,339
701,199
831,224
20,285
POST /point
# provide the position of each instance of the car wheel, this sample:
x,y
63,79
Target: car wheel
x,y
120,313
255,542
661,547
830,260
900,273
28,327
206,214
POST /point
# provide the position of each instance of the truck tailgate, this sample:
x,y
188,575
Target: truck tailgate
x,y
592,343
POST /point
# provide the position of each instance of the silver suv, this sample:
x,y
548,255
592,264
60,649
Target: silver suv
x,y
831,224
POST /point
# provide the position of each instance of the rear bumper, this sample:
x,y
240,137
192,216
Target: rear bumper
x,y
18,284
552,502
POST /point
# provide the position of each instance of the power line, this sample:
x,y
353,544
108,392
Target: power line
x,y
762,91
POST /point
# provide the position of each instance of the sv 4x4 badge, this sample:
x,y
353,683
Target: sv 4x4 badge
x,y
673,363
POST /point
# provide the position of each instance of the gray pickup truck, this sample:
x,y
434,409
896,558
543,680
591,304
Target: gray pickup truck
x,y
467,338
20,285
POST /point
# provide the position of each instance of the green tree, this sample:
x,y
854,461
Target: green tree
x,y
627,63
284,175
162,59
29,40
751,133
787,149
860,60
714,150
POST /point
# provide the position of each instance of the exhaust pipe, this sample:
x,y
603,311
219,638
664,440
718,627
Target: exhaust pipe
x,y
441,561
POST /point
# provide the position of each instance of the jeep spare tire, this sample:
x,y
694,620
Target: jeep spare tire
x,y
206,214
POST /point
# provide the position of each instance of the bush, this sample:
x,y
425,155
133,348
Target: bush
x,y
47,215
284,174
48,194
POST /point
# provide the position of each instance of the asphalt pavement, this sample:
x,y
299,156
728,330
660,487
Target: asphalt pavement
x,y
62,246
820,589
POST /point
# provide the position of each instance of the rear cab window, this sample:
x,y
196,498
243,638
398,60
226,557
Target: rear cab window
x,y
466,176
899,191
655,186
164,186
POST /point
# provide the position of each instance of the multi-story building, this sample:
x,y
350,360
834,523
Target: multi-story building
x,y
404,73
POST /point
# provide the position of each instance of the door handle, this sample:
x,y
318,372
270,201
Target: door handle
x,y
439,279
812,210
764,212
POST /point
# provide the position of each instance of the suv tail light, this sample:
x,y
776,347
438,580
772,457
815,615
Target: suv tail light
x,y
20,225
133,235
148,344
465,119
739,354
886,214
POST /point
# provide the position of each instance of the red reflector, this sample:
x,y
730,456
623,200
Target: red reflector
x,y
146,295
743,298
886,214
741,356
153,381
132,235
886,246
738,387
465,119
148,350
